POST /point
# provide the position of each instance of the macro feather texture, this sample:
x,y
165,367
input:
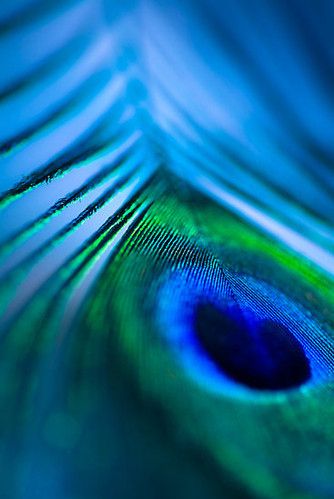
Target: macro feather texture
x,y
166,252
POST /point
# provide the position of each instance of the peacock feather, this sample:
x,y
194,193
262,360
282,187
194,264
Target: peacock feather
x,y
167,249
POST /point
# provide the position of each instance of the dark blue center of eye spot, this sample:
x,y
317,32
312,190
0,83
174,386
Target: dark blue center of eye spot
x,y
261,354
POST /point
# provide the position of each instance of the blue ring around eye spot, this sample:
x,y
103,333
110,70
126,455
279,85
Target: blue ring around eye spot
x,y
178,302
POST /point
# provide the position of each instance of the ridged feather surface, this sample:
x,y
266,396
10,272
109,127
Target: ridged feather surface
x,y
166,284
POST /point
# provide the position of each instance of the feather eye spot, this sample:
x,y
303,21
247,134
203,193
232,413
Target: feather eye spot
x,y
261,354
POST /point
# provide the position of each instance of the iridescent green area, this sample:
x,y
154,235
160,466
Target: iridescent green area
x,y
278,445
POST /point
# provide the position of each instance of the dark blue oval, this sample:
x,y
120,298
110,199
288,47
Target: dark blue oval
x,y
261,354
